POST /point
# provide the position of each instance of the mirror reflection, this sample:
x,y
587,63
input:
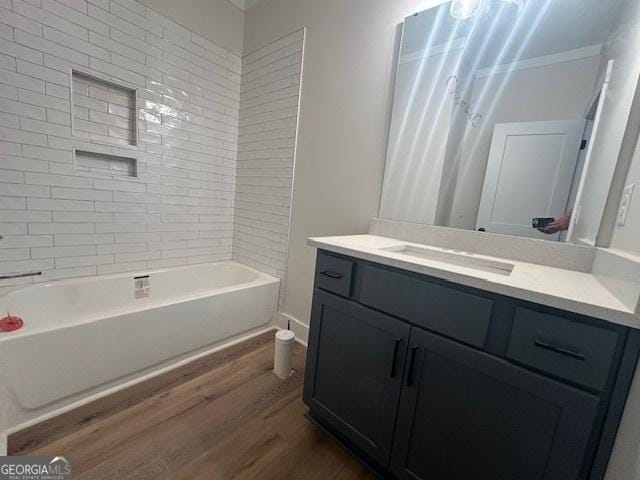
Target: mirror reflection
x,y
509,115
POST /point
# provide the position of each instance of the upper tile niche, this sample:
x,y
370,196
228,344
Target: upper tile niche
x,y
103,111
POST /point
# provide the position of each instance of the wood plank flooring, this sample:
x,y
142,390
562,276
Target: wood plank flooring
x,y
223,417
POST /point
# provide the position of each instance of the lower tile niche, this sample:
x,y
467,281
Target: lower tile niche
x,y
105,164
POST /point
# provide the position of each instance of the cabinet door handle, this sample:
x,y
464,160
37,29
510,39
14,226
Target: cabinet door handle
x,y
412,360
330,274
538,342
394,359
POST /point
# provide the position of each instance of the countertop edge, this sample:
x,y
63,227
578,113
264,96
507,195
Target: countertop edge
x,y
618,317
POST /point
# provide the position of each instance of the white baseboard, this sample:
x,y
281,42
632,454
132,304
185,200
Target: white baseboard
x,y
300,329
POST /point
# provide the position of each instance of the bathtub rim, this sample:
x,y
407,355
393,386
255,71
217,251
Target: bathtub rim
x,y
262,278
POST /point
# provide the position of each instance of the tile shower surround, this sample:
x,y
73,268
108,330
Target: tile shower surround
x,y
69,222
269,101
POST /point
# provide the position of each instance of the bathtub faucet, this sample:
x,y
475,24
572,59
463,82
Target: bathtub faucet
x,y
19,275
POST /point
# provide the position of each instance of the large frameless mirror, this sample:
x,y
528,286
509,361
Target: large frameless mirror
x,y
509,115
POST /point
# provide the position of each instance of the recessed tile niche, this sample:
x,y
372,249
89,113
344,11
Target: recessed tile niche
x,y
104,112
101,164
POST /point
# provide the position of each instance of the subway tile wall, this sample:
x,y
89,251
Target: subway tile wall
x,y
69,222
269,99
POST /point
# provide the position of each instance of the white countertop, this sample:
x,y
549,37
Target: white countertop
x,y
564,289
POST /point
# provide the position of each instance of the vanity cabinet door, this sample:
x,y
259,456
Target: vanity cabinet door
x,y
353,379
467,415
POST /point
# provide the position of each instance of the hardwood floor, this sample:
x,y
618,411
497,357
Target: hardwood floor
x,y
224,417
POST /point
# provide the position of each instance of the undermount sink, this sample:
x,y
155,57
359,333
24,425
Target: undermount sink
x,y
461,259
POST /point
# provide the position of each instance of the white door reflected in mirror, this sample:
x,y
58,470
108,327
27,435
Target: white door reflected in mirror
x,y
530,173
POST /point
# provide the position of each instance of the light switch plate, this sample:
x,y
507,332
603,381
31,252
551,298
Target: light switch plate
x,y
625,204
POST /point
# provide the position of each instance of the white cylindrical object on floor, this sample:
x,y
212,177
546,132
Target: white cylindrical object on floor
x,y
284,352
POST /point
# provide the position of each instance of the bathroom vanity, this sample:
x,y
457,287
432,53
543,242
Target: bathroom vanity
x,y
489,326
433,364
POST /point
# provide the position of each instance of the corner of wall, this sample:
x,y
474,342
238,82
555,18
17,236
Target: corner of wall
x,y
219,21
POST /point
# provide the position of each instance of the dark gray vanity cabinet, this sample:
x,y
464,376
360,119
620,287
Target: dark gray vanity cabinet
x,y
467,414
358,359
428,380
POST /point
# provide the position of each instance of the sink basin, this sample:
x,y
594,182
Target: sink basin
x,y
460,259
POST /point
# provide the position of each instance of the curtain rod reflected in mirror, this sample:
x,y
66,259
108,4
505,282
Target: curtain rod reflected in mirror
x,y
509,115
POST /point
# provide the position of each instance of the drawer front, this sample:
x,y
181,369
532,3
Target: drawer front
x,y
571,350
457,314
334,274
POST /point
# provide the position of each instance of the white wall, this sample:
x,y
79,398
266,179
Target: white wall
x,y
219,21
347,88
623,47
628,237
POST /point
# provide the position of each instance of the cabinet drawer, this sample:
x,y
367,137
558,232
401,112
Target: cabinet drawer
x,y
334,274
457,314
571,350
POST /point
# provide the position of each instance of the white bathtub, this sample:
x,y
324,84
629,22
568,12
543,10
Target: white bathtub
x,y
82,333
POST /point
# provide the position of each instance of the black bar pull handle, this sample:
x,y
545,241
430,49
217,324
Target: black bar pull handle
x,y
412,360
330,274
394,359
540,343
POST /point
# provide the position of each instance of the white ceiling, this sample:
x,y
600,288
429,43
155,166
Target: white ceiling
x,y
244,4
